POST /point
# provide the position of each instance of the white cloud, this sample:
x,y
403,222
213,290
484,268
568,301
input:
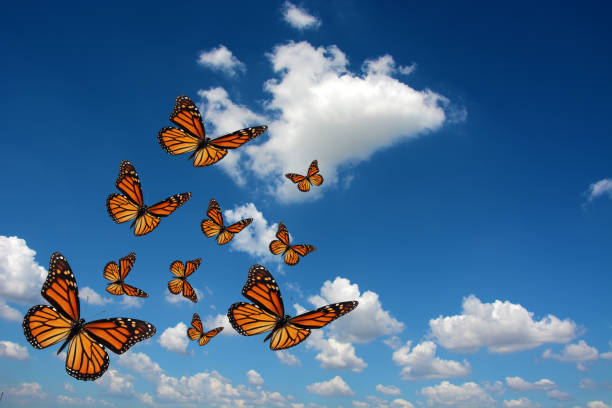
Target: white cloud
x,y
367,322
220,320
131,302
8,313
518,384
221,59
179,298
607,355
388,389
79,402
468,395
254,239
287,358
598,404
385,65
116,383
600,188
401,403
588,384
21,277
140,363
393,342
321,110
29,390
333,388
8,349
494,388
69,387
580,353
335,355
299,18
559,395
92,297
421,363
520,403
175,338
254,378
502,327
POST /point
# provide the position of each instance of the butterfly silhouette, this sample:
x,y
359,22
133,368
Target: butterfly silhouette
x,y
180,283
214,226
117,273
86,358
123,208
282,245
191,137
312,177
197,332
268,312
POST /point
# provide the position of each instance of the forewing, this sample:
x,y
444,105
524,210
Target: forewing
x,y
60,288
189,292
44,326
191,266
196,322
120,208
287,336
210,228
296,178
209,335
132,291
126,263
175,141
167,206
282,234
119,333
238,138
261,288
86,359
178,269
313,168
239,226
249,319
111,271
214,212
322,316
128,182
303,249
186,115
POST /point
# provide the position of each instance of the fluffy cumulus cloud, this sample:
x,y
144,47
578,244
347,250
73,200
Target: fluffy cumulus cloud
x,y
502,327
600,188
140,363
286,358
220,320
175,338
21,277
598,404
367,322
388,389
299,18
116,383
608,354
27,390
319,109
254,378
421,362
580,353
335,387
385,65
468,395
520,403
254,239
92,297
221,59
14,351
334,354
518,384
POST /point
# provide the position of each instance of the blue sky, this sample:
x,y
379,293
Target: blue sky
x,y
467,197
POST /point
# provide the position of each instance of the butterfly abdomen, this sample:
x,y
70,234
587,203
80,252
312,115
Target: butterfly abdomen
x,y
76,329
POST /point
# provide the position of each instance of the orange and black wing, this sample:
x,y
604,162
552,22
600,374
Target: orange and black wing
x,y
44,326
189,292
120,208
119,333
177,269
322,316
125,264
228,233
86,358
280,245
292,256
195,332
128,183
209,335
303,183
60,287
249,319
313,174
132,291
112,272
287,336
261,288
176,141
175,286
213,226
187,116
191,266
166,207
238,138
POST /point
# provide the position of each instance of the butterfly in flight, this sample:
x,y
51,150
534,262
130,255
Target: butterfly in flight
x,y
312,177
282,245
214,226
180,284
191,137
197,331
130,205
86,358
268,312
117,273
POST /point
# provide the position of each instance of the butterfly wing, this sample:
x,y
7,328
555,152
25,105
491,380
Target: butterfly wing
x,y
166,207
111,272
261,288
287,336
132,291
126,263
316,179
324,315
191,266
186,115
177,269
86,359
249,319
44,326
145,224
195,332
176,141
313,168
175,286
291,256
213,226
128,183
60,287
189,292
115,289
296,178
209,335
280,245
119,333
207,155
238,138
120,208
228,233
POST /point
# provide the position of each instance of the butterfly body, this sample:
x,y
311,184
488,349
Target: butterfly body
x,y
76,329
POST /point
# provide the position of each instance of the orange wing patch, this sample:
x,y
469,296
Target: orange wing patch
x,y
282,245
214,227
312,177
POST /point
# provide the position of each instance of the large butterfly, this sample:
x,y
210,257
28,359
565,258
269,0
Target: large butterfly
x,y
268,312
312,177
180,284
117,273
197,331
282,245
191,137
214,226
86,357
130,206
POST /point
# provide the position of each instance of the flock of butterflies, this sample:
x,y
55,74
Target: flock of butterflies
x,y
86,357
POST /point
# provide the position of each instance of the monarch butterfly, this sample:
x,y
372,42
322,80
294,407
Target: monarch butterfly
x,y
130,206
268,312
312,177
282,245
191,136
214,226
175,286
117,273
45,325
197,332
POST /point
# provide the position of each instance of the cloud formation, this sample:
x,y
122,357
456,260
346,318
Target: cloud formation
x,y
299,18
422,363
468,395
335,387
175,338
221,59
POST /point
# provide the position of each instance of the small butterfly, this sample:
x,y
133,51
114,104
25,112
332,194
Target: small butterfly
x,y
191,136
123,208
175,286
117,273
45,325
214,226
268,312
197,332
312,177
282,245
